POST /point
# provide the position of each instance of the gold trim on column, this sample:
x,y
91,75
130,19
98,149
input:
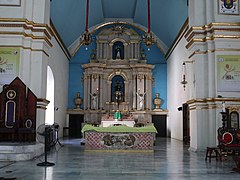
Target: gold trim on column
x,y
210,103
212,51
24,20
24,26
31,49
202,28
27,35
210,38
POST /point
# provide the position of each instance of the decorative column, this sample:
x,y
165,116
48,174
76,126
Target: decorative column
x,y
148,92
125,50
105,51
85,99
131,49
101,92
88,85
134,92
210,34
98,50
110,51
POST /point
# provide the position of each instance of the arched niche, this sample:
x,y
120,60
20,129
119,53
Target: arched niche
x,y
118,50
117,85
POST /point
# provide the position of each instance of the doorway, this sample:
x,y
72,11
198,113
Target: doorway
x,y
186,123
160,124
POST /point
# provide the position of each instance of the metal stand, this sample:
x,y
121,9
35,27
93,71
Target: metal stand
x,y
57,139
46,163
56,127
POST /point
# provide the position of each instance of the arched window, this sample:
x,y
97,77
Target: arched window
x,y
118,50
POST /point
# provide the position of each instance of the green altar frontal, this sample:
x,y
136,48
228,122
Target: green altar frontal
x,y
119,138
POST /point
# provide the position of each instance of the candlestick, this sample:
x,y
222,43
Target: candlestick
x,y
223,107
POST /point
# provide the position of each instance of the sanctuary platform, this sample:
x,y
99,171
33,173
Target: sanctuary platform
x,y
119,138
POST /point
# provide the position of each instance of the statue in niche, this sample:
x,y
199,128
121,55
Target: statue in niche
x,y
141,99
118,53
118,50
94,100
118,93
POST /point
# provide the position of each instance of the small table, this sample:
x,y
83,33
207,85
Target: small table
x,y
210,151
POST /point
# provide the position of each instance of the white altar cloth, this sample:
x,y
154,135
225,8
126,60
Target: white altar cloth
x,y
112,123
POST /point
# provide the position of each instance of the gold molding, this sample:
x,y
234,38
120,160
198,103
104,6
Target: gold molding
x,y
210,25
212,51
31,49
24,20
210,38
27,35
205,100
28,28
49,31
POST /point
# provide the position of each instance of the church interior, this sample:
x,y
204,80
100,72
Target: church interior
x,y
132,81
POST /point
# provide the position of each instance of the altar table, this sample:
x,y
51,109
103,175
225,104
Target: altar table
x,y
119,138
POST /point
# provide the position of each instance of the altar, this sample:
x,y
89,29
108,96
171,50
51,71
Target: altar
x,y
119,138
109,120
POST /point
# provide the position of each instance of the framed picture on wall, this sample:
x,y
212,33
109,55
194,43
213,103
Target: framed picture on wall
x,y
10,2
230,7
228,73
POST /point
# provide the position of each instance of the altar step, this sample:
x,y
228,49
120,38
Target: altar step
x,y
19,151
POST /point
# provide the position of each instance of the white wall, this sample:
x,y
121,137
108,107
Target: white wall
x,y
59,64
175,93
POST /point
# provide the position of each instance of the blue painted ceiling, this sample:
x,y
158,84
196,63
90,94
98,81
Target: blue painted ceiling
x,y
167,16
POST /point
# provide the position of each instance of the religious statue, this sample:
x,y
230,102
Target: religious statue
x,y
141,99
118,55
118,93
94,100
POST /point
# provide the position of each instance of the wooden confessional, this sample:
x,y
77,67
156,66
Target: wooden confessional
x,y
17,113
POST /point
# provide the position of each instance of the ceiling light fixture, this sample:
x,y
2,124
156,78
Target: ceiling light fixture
x,y
86,35
148,37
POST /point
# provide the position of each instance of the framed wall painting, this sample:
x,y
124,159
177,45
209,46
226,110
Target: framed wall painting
x,y
228,73
9,64
10,2
229,7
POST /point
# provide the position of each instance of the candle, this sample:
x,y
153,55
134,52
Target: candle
x,y
223,107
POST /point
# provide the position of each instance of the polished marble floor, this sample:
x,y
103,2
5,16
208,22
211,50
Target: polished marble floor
x,y
170,160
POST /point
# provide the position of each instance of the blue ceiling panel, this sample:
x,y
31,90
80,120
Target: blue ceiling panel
x,y
69,17
119,8
167,17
